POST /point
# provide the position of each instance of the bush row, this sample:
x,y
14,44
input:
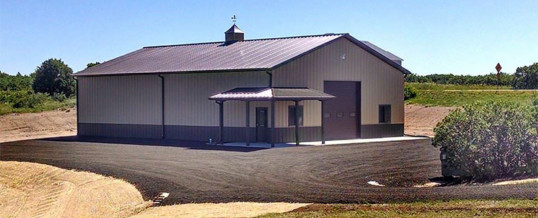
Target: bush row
x,y
23,99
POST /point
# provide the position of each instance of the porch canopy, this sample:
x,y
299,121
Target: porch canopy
x,y
248,94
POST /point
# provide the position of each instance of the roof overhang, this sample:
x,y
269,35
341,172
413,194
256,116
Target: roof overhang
x,y
271,94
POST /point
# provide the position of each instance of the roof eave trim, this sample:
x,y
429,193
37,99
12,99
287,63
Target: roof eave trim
x,y
174,72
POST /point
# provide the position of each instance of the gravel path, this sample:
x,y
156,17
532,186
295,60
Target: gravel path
x,y
324,174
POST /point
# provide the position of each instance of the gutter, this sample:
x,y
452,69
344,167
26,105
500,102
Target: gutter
x,y
78,112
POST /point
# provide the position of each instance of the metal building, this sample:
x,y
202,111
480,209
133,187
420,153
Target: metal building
x,y
333,86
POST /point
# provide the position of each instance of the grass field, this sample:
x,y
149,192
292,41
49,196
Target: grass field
x,y
457,95
456,208
47,105
441,87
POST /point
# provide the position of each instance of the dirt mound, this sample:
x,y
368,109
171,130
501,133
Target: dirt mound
x,y
235,209
14,127
38,190
420,120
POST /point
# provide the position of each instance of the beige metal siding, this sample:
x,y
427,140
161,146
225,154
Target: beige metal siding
x,y
120,99
344,61
187,95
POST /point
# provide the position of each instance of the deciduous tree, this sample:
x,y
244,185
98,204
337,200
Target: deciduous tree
x,y
54,76
526,77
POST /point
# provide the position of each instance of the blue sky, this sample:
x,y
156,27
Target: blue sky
x,y
460,37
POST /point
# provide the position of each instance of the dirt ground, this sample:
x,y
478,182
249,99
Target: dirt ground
x,y
234,209
420,120
38,190
14,127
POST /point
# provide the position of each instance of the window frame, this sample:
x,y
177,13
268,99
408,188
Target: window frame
x,y
385,118
291,116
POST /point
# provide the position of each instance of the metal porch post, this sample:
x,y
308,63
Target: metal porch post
x,y
272,123
247,128
322,124
221,121
296,123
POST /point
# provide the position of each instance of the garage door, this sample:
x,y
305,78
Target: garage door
x,y
341,115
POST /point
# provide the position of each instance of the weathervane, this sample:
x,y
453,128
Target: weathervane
x,y
234,18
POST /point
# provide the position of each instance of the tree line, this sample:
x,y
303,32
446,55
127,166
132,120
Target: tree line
x,y
52,77
51,81
525,77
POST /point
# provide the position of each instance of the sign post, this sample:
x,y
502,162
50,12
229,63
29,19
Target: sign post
x,y
498,68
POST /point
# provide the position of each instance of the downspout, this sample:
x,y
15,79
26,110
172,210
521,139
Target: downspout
x,y
163,135
270,73
78,112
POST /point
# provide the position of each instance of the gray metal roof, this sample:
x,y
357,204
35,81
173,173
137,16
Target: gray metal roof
x,y
234,29
247,55
382,51
265,94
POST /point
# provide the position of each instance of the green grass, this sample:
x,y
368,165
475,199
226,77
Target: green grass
x,y
433,86
460,98
44,106
455,208
430,94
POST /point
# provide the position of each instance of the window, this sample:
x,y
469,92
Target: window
x,y
384,113
291,116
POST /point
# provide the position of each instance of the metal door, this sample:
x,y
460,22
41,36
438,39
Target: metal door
x,y
261,124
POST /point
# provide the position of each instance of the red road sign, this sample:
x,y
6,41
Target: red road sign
x,y
498,68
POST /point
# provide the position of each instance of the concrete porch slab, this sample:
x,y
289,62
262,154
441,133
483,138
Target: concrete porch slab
x,y
331,142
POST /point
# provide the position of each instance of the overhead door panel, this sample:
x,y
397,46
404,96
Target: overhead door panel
x,y
341,115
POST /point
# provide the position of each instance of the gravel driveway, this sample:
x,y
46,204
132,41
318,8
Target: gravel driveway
x,y
193,172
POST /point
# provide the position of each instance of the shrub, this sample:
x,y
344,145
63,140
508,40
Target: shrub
x,y
409,92
22,99
491,140
59,97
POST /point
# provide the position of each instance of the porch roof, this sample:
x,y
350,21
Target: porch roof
x,y
266,94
